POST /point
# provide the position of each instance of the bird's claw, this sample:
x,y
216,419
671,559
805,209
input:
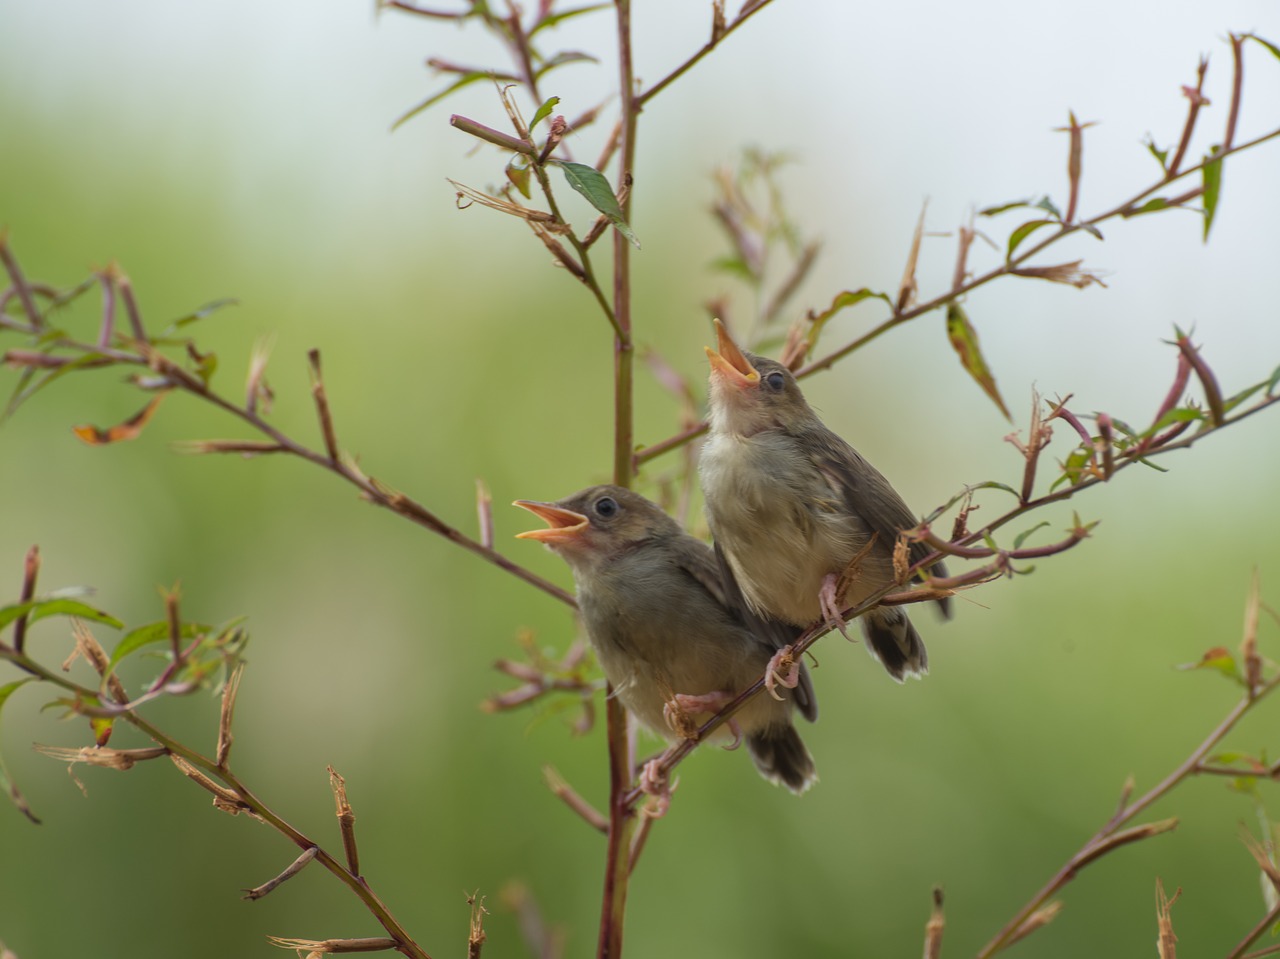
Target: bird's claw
x,y
829,603
680,709
654,783
784,670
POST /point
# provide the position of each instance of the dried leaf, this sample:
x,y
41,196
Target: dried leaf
x,y
130,429
964,339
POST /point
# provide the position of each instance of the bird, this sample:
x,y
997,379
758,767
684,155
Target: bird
x,y
652,600
802,522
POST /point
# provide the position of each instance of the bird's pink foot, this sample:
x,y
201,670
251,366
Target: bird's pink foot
x,y
680,709
654,782
783,670
829,603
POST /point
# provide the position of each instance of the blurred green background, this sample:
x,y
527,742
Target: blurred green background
x,y
244,150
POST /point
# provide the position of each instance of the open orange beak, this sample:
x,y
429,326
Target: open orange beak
x,y
563,525
729,361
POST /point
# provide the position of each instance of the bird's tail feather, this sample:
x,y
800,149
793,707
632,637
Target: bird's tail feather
x,y
781,757
894,641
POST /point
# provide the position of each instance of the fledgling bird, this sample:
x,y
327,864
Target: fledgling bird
x,y
793,508
652,599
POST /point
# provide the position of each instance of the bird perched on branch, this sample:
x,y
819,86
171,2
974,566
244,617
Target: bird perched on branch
x,y
803,524
653,602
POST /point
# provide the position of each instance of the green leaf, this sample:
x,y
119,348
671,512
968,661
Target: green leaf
x,y
1003,207
518,173
1220,660
1151,206
22,392
1022,232
1022,537
1162,156
1273,382
1212,178
6,783
841,301
591,184
543,112
734,266
1044,203
551,19
211,307
465,80
560,59
38,609
149,634
1275,51
1092,230
964,339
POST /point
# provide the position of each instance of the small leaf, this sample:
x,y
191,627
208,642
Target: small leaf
x,y
1022,537
1003,207
1220,660
151,633
1212,177
518,173
551,19
6,783
465,80
1092,230
1162,156
1044,203
1275,51
591,184
560,59
964,339
38,609
1153,205
1273,382
199,314
842,300
1022,232
542,113
734,266
130,429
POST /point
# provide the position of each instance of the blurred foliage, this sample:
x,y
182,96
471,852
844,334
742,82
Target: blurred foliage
x,y
373,641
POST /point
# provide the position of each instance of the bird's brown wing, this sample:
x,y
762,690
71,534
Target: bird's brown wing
x,y
868,494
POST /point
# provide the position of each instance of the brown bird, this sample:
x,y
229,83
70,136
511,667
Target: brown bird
x,y
653,602
794,509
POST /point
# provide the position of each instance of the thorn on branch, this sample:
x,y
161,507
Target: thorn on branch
x,y
30,572
1196,100
934,927
322,407
907,288
346,821
295,867
225,738
1166,941
1208,382
475,934
561,789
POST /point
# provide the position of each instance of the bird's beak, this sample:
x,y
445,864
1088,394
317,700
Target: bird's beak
x,y
729,361
563,525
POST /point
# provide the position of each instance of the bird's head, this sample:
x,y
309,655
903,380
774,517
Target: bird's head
x,y
598,523
751,394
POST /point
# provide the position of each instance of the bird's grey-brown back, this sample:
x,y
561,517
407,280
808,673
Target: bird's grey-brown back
x,y
790,503
652,600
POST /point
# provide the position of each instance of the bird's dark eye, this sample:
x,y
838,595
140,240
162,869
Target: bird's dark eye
x,y
775,381
606,506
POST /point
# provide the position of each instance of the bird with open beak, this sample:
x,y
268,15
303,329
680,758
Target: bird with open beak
x,y
804,525
653,602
